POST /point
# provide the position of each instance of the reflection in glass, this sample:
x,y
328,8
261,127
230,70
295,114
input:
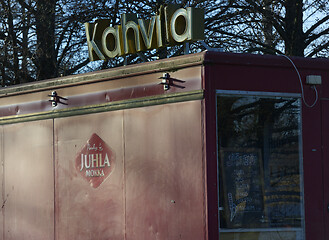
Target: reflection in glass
x,y
259,165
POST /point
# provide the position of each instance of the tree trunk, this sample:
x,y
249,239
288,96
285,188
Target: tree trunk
x,y
25,39
267,25
294,42
12,39
45,29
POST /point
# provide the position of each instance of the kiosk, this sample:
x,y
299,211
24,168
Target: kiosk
x,y
202,146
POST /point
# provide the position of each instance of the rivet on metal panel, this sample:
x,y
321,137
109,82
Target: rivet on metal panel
x,y
167,81
55,99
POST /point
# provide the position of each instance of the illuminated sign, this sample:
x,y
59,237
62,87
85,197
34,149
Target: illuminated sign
x,y
95,162
171,27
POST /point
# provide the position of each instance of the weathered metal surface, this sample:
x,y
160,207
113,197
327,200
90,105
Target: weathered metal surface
x,y
144,69
111,106
82,211
156,189
28,205
164,172
127,90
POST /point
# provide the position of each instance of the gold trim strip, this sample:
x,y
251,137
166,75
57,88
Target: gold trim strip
x,y
105,107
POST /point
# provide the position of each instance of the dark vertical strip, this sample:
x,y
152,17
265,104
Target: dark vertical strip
x,y
211,152
204,170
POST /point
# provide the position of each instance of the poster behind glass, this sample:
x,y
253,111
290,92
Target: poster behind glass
x,y
259,162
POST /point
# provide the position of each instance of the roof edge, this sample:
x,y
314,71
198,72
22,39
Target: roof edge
x,y
163,65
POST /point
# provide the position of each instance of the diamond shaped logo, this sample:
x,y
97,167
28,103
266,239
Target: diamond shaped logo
x,y
95,162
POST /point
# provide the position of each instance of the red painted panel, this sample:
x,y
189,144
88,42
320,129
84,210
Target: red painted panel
x,y
28,207
82,211
325,158
256,78
268,61
165,172
210,141
247,72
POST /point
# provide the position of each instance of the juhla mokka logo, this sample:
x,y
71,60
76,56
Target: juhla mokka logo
x,y
95,162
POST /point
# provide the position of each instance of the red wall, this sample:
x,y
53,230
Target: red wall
x,y
246,72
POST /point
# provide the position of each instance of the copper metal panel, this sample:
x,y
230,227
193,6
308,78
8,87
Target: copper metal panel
x,y
164,65
29,181
83,211
101,92
164,172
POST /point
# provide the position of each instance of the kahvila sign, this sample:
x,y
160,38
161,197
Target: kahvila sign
x,y
170,27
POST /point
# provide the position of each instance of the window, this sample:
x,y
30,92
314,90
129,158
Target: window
x,y
260,170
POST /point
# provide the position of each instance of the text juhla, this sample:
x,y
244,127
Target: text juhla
x,y
94,161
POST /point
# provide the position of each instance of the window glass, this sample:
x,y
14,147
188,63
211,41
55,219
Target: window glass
x,y
259,168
